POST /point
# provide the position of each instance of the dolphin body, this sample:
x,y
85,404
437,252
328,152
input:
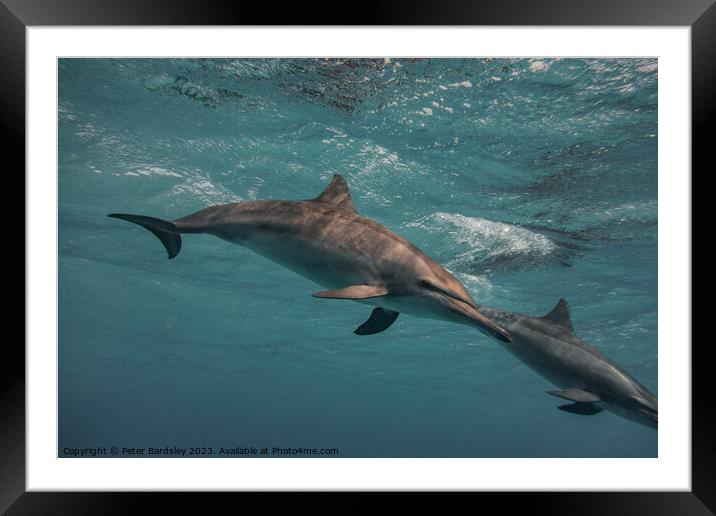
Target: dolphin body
x,y
585,376
326,241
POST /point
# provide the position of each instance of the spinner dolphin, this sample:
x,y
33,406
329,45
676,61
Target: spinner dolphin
x,y
351,257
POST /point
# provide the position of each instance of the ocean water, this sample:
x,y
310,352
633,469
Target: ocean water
x,y
530,179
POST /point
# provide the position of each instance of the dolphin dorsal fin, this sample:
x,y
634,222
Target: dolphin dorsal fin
x,y
560,315
337,193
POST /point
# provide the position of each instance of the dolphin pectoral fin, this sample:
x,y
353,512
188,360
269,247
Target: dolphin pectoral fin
x,y
380,320
576,395
584,409
354,292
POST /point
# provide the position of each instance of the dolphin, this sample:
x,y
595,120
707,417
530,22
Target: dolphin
x,y
585,376
352,257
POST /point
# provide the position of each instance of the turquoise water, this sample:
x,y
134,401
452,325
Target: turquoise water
x,y
529,179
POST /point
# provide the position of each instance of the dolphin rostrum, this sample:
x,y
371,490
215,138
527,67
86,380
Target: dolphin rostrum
x,y
584,376
352,257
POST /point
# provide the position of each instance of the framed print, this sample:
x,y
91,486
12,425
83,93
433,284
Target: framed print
x,y
468,176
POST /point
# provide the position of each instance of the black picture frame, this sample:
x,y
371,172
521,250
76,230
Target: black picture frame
x,y
16,15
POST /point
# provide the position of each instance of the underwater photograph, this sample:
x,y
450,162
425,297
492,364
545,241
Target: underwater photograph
x,y
357,257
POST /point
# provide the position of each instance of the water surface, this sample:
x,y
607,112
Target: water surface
x,y
529,179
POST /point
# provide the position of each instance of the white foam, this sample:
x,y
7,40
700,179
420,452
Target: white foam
x,y
475,284
488,241
203,188
463,84
153,171
648,68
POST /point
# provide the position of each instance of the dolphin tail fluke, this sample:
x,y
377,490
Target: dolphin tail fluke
x,y
164,230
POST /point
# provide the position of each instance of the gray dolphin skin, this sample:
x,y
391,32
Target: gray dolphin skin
x,y
326,241
584,376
